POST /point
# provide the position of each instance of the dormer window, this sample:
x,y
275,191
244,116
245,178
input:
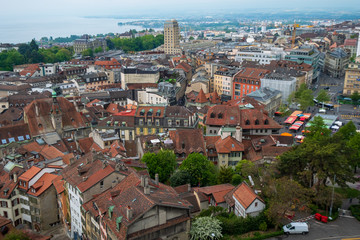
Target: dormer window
x,y
266,122
33,190
256,122
212,115
247,122
142,112
220,115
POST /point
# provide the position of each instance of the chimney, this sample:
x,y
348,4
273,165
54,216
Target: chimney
x,y
15,177
36,109
129,213
147,190
189,187
238,133
142,181
85,178
72,160
157,179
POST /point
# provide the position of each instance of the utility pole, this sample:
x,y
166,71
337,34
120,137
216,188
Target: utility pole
x,y
332,196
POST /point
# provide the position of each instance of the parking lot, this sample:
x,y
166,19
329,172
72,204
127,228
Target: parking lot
x,y
344,228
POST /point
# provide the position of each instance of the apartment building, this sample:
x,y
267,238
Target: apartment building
x,y
246,81
263,56
172,37
336,62
352,79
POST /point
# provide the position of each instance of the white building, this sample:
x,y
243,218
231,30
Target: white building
x,y
75,211
263,56
279,81
246,201
151,96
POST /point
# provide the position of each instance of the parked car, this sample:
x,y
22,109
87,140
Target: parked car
x,y
296,228
322,110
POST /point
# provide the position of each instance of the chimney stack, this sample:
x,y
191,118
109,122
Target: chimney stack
x,y
15,177
189,187
129,213
238,133
157,179
142,178
36,109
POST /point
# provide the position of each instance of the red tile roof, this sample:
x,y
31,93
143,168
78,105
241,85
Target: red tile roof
x,y
228,145
201,98
245,195
85,144
29,174
183,65
114,108
188,141
42,184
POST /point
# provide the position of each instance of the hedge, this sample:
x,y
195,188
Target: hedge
x,y
355,211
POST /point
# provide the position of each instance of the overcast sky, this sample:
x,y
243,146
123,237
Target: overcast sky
x,y
24,8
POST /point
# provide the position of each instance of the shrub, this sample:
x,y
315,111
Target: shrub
x,y
263,226
355,211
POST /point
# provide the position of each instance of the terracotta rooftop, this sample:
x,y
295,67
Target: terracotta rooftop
x,y
245,195
29,174
228,145
42,184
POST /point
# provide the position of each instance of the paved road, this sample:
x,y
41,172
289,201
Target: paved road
x,y
341,229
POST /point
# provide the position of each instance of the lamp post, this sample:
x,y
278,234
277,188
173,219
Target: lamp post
x,y
332,196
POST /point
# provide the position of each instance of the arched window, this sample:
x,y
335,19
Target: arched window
x,y
247,122
266,122
212,115
256,122
220,115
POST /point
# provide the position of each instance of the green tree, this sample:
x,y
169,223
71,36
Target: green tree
x,y
98,50
163,163
63,55
323,96
321,155
110,44
306,99
225,175
191,38
201,170
236,179
205,228
10,58
34,46
246,168
285,195
355,97
16,235
88,52
180,177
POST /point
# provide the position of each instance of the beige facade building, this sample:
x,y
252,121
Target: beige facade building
x,y
171,37
352,79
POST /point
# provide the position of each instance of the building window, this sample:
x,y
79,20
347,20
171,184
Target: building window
x,y
186,123
149,122
256,204
141,122
157,122
256,122
177,123
169,122
101,184
5,214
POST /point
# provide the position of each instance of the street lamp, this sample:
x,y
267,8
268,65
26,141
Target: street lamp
x,y
332,197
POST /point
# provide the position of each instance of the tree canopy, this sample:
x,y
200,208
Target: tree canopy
x,y
323,96
146,42
201,170
322,155
162,163
180,177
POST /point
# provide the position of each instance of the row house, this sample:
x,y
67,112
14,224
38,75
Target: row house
x,y
252,121
137,208
38,198
10,206
84,177
73,71
247,81
149,120
223,81
55,114
123,123
94,80
108,63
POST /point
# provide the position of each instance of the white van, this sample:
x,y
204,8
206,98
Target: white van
x,y
296,227
322,110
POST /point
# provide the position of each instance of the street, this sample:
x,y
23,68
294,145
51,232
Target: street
x,y
344,228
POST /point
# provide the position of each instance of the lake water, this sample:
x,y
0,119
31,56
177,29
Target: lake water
x,y
16,31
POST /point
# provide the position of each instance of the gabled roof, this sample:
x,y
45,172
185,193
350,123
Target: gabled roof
x,y
184,66
29,174
187,141
130,194
228,145
245,195
42,184
217,191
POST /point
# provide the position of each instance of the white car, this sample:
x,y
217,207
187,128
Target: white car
x,y
296,228
322,110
